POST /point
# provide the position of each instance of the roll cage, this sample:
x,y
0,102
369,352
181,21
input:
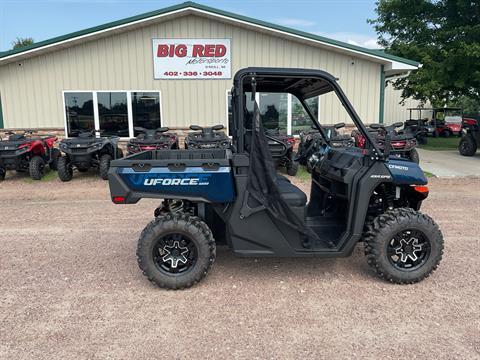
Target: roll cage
x,y
302,83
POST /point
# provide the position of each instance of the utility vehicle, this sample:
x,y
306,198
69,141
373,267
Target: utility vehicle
x,y
207,138
152,139
447,121
470,137
235,196
282,149
85,150
402,143
23,152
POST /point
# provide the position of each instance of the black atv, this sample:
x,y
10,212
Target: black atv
x,y
23,152
470,137
152,139
420,129
235,197
207,138
311,141
282,148
86,150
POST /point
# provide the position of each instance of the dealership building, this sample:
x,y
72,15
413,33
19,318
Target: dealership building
x,y
174,67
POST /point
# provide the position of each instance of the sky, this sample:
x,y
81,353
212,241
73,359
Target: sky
x,y
344,20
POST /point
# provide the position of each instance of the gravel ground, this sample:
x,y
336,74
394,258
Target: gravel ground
x,y
70,288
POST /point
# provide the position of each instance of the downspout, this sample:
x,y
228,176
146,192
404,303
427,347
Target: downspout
x,y
1,113
381,109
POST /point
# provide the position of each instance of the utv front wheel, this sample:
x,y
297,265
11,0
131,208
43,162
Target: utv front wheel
x,y
64,168
104,166
176,251
37,168
404,246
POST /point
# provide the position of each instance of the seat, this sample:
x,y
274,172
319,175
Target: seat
x,y
292,195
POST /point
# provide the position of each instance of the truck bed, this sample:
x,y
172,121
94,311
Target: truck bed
x,y
197,175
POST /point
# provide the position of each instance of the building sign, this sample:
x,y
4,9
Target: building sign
x,y
191,58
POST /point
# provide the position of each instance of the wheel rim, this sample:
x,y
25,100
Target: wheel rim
x,y
174,254
464,146
408,250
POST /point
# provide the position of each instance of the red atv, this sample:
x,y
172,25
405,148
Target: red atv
x,y
403,143
447,121
23,152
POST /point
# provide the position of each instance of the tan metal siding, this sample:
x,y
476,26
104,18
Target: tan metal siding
x,y
32,93
394,111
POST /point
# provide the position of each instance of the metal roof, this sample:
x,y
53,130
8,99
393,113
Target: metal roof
x,y
192,6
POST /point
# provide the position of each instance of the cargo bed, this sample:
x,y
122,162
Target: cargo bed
x,y
200,175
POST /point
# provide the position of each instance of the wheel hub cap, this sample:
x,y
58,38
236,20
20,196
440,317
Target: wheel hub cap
x,y
408,248
174,254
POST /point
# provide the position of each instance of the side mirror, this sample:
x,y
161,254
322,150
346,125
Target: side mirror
x,y
217,127
196,128
339,125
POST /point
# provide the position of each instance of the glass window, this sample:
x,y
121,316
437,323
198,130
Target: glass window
x,y
79,111
113,113
146,110
274,111
300,119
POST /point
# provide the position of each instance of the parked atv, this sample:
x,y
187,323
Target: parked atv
x,y
311,141
84,151
282,148
152,139
23,152
420,129
470,137
207,138
235,197
403,144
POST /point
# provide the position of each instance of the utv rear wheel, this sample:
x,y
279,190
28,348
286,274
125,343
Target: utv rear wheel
x,y
176,251
37,168
104,166
446,133
54,161
467,146
64,168
413,155
404,246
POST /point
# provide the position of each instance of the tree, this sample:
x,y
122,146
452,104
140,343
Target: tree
x,y
21,42
444,36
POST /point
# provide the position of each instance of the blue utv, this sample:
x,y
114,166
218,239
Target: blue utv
x,y
235,197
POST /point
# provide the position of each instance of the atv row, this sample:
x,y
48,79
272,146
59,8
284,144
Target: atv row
x,y
24,152
234,196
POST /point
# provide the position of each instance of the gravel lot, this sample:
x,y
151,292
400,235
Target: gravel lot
x,y
70,288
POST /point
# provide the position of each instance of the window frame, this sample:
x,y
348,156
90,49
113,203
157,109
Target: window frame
x,y
289,111
96,116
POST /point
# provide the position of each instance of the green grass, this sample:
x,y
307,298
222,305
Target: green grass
x,y
50,175
429,174
440,143
303,174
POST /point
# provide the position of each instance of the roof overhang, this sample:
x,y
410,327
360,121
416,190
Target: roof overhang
x,y
392,64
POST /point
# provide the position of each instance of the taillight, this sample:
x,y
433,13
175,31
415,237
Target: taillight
x,y
291,140
118,199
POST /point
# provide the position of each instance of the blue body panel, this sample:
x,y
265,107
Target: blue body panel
x,y
193,182
406,172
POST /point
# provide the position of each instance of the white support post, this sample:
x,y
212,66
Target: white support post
x,y
96,116
289,114
130,114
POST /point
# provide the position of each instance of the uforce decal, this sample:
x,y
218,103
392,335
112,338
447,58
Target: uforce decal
x,y
174,182
398,167
380,176
171,180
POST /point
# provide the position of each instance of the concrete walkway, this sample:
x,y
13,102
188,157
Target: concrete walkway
x,y
449,163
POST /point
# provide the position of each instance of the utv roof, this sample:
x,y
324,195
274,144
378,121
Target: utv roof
x,y
436,109
304,83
